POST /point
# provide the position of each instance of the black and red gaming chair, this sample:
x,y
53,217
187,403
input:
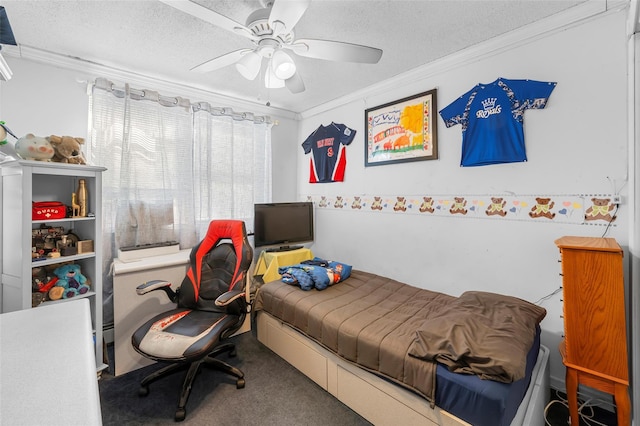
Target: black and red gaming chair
x,y
211,306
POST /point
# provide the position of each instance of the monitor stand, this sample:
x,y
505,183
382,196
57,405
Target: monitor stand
x,y
283,248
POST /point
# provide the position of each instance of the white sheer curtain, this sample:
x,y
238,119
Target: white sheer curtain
x,y
172,167
233,162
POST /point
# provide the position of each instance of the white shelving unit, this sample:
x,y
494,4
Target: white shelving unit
x,y
23,182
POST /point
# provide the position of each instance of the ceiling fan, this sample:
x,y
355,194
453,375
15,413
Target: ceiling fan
x,y
271,31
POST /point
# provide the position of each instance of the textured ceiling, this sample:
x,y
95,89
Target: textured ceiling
x,y
156,40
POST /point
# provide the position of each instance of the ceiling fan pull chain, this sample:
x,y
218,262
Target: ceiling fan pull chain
x,y
268,86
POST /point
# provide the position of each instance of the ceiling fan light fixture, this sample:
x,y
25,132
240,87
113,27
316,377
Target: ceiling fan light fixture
x,y
249,65
271,81
283,66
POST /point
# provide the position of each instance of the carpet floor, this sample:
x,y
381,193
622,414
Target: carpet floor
x,y
275,394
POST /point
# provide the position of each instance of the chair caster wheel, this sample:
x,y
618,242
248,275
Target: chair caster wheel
x,y
181,413
240,384
143,391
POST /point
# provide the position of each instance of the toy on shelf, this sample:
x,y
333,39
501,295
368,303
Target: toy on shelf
x,y
42,280
4,130
70,282
81,197
53,239
31,147
75,207
7,151
67,149
46,210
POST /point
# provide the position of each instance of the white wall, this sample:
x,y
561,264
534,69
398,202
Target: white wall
x,y
44,100
576,145
284,155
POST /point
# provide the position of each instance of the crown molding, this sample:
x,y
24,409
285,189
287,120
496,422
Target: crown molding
x,y
155,82
505,42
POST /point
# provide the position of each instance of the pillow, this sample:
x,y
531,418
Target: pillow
x,y
342,269
481,333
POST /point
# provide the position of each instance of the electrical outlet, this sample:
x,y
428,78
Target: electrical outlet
x,y
616,199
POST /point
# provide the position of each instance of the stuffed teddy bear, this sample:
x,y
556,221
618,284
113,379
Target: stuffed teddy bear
x,y
31,147
70,282
67,149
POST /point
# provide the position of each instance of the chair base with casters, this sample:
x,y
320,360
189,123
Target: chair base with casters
x,y
211,306
209,360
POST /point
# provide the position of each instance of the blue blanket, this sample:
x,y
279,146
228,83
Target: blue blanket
x,y
317,273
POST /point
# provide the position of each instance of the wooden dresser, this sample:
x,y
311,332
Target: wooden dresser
x,y
594,348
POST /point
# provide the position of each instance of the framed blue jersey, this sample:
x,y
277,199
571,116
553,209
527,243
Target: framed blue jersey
x,y
491,116
328,156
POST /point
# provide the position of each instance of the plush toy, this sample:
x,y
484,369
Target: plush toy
x,y
70,282
67,149
31,147
7,151
42,280
3,133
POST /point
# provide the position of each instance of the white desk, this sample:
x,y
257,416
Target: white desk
x,y
48,366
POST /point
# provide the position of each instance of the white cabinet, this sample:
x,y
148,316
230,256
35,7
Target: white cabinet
x,y
24,182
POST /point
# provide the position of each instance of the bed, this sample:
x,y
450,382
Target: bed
x,y
367,341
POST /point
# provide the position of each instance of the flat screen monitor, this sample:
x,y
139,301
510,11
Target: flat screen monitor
x,y
282,224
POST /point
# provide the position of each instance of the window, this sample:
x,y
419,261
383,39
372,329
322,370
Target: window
x,y
172,167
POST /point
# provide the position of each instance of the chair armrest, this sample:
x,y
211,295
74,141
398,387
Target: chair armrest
x,y
229,296
153,285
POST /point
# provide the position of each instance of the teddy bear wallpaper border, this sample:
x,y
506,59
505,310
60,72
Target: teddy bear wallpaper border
x,y
595,209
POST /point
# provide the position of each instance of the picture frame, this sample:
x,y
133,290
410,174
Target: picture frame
x,y
401,131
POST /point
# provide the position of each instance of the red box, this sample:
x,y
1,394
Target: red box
x,y
48,210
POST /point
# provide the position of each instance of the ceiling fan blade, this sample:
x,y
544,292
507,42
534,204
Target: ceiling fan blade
x,y
221,61
336,51
210,16
295,83
287,12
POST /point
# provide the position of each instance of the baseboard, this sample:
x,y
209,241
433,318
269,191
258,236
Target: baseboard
x,y
557,384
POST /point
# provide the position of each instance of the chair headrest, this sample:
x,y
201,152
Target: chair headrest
x,y
233,230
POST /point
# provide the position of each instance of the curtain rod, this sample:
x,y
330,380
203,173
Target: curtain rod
x,y
171,101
